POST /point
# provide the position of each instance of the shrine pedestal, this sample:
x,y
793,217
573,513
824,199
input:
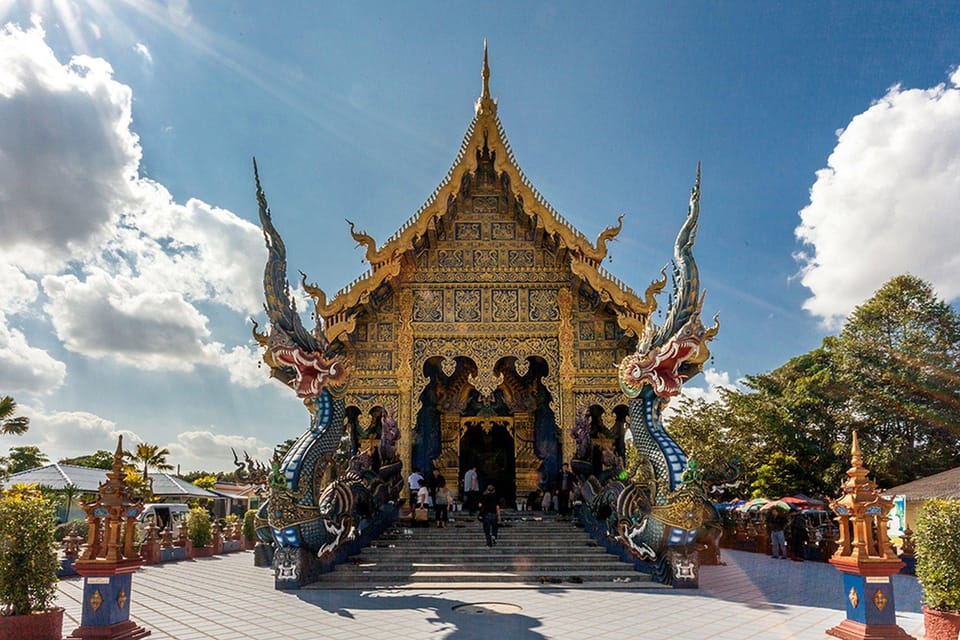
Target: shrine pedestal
x,y
868,592
106,602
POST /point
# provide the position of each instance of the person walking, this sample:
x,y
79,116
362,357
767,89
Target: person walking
x,y
441,504
436,478
564,484
798,536
413,481
490,512
471,489
778,543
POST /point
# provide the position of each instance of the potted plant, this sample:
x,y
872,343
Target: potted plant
x,y
938,567
200,532
28,566
250,529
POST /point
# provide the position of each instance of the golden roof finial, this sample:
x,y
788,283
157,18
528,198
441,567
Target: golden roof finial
x,y
485,104
856,458
486,73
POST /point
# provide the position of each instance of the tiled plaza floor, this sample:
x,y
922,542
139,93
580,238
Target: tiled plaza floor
x,y
753,596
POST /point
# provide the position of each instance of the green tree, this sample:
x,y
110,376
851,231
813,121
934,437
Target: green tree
x,y
9,423
281,449
149,455
26,457
68,495
206,481
102,459
899,355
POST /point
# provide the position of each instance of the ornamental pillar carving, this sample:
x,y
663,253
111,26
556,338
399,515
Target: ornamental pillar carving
x,y
406,410
567,369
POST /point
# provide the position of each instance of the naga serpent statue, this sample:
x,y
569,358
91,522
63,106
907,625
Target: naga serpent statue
x,y
649,511
324,498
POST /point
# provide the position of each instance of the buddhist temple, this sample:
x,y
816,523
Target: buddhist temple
x,y
484,325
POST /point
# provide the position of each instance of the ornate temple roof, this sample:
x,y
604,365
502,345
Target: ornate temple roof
x,y
486,132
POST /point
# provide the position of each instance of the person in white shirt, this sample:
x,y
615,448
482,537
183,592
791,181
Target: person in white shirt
x,y
471,489
414,480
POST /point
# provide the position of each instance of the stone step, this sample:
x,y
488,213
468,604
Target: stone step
x,y
530,552
537,577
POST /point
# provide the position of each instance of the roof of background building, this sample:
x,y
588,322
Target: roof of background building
x,y
57,476
940,485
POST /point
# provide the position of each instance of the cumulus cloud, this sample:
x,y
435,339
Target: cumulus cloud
x,y
67,434
26,368
122,265
707,389
886,202
209,451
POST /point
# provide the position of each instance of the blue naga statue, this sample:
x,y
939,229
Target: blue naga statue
x,y
647,511
324,499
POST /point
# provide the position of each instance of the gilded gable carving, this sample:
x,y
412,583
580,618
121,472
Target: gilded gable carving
x,y
520,258
505,305
598,358
586,330
486,204
385,332
486,259
503,230
466,303
450,259
374,360
428,305
467,231
542,305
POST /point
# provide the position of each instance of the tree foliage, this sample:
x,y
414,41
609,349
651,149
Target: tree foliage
x,y
101,459
893,374
24,458
11,424
28,557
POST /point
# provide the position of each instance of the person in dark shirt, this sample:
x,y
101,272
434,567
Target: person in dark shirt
x,y
564,484
490,512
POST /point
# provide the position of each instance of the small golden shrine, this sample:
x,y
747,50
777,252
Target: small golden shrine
x,y
862,515
112,518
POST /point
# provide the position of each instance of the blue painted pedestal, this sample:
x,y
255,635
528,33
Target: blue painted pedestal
x,y
868,593
106,602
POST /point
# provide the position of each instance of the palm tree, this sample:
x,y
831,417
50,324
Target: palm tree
x,y
10,424
69,493
150,455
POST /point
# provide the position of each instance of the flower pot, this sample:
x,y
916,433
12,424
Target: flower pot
x,y
42,625
940,625
203,552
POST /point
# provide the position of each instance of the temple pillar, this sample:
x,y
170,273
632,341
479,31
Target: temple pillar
x,y
567,373
405,375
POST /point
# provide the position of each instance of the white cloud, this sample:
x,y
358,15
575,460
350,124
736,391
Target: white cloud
x,y
67,156
26,368
113,316
122,265
887,202
242,363
208,451
713,382
68,434
144,51
17,292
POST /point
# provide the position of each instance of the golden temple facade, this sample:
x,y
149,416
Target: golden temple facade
x,y
485,324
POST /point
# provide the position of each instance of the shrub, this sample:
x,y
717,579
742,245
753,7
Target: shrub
x,y
28,555
937,546
64,529
199,528
249,525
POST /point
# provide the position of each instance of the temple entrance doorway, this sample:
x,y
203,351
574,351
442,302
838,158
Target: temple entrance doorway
x,y
489,444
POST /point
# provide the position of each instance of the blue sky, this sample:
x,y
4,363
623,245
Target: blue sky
x,y
829,135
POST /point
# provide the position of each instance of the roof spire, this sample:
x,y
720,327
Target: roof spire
x,y
486,73
485,104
